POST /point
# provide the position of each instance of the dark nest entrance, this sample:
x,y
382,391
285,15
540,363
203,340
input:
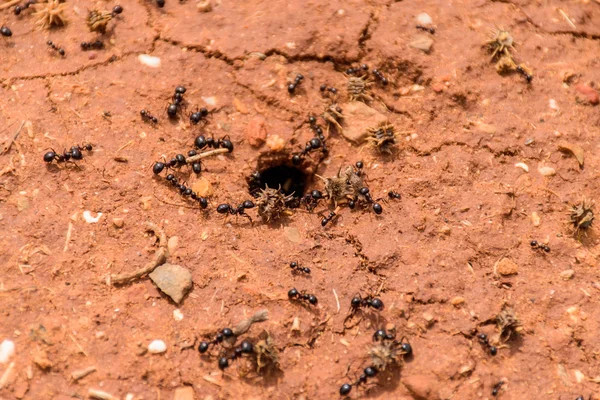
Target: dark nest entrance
x,y
291,180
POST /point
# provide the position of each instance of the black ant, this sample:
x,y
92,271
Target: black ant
x,y
185,191
176,162
245,348
298,269
426,29
97,45
239,210
224,143
311,200
535,245
355,70
75,153
394,195
198,116
483,339
528,77
254,183
175,107
60,50
496,388
324,88
293,294
357,302
146,116
292,86
224,334
364,192
118,9
380,77
368,372
27,4
5,31
328,218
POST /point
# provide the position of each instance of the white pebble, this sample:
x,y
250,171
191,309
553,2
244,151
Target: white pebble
x,y
211,101
157,347
87,216
177,314
553,104
546,171
424,19
150,61
523,166
7,350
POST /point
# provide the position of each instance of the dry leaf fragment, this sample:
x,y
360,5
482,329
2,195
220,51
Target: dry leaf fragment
x,y
574,149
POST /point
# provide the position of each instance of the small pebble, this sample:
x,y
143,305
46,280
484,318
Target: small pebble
x,y
507,267
177,314
157,347
546,171
7,350
150,61
553,104
457,301
118,222
87,216
424,19
172,244
567,274
211,101
202,187
535,219
275,143
204,6
587,94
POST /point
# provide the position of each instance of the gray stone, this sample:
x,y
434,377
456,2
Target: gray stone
x,y
173,280
358,117
422,42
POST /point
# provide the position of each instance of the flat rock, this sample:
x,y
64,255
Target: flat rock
x,y
173,280
507,267
358,117
422,42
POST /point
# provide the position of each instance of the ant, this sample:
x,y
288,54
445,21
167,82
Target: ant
x,y
224,334
331,90
176,162
535,245
311,200
380,77
394,195
292,86
364,192
245,348
60,50
5,31
354,71
185,191
225,143
368,372
18,9
146,116
528,77
496,388
483,339
328,218
174,108
75,153
357,302
293,294
240,210
298,269
116,10
97,45
426,29
197,116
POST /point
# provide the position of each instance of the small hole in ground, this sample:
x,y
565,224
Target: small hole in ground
x,y
290,179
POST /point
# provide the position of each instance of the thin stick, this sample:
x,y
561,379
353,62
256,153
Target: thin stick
x,y
159,259
337,301
77,344
9,4
99,394
69,231
200,156
82,373
7,147
565,16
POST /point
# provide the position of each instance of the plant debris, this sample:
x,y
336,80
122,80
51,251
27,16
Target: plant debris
x,y
50,13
